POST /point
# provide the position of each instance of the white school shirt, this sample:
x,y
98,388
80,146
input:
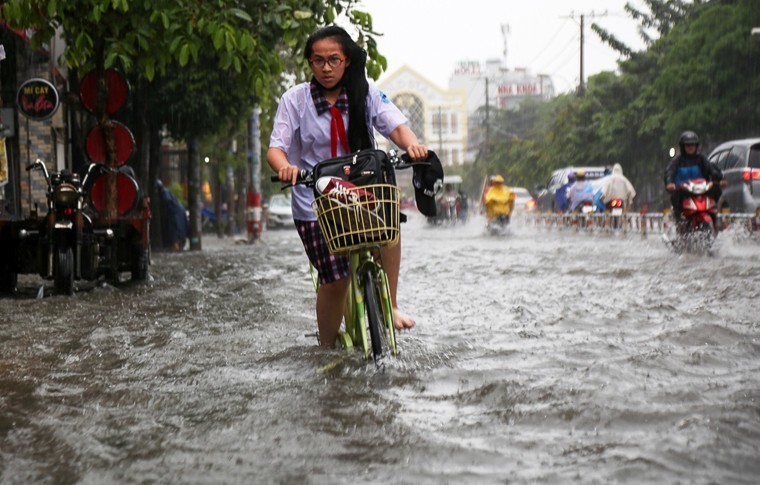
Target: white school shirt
x,y
304,135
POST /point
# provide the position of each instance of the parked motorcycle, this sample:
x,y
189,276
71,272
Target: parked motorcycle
x,y
61,234
696,229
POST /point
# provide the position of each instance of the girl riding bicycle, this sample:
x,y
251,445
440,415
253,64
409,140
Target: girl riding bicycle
x,y
310,126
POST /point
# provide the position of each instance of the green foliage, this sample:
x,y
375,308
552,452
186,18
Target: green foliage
x,y
700,71
176,189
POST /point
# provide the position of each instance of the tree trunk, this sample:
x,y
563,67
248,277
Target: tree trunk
x,y
154,169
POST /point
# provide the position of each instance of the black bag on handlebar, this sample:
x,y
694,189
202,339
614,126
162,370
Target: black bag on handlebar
x,y
365,167
361,224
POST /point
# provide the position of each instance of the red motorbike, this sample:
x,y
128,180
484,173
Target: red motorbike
x,y
696,229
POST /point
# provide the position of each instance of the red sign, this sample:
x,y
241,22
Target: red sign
x,y
37,99
96,147
518,89
118,90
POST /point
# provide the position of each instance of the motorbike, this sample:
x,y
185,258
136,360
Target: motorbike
x,y
615,209
696,229
584,207
450,208
63,232
498,225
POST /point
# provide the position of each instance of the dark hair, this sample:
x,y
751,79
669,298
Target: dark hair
x,y
354,81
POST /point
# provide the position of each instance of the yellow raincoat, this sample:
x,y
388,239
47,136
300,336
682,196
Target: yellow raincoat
x,y
499,201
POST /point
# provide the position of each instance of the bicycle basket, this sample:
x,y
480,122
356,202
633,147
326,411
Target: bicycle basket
x,y
350,222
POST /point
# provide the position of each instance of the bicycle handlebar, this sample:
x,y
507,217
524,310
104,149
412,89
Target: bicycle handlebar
x,y
399,162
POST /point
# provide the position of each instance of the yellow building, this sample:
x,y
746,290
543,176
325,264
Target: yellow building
x,y
437,116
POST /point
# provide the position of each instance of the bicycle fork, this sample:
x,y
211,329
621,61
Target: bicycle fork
x,y
363,266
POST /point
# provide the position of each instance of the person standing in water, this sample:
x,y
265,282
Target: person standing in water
x,y
309,127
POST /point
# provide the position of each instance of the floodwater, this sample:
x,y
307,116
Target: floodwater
x,y
539,357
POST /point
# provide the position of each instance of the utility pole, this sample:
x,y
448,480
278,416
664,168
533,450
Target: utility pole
x,y
253,211
440,130
582,82
488,127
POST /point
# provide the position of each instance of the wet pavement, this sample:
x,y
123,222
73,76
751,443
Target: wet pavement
x,y
539,357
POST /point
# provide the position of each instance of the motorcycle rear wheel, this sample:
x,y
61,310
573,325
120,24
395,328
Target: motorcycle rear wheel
x,y
64,271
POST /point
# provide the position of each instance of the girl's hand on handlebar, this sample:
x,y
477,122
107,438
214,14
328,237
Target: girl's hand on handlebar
x,y
417,151
288,173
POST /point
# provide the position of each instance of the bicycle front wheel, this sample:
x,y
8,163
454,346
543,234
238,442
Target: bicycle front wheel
x,y
378,330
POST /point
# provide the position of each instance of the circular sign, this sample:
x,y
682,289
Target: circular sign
x,y
37,99
118,90
96,147
126,191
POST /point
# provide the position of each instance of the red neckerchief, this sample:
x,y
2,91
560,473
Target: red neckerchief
x,y
337,128
337,131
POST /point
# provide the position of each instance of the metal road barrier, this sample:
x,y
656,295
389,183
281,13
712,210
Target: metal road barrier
x,y
633,223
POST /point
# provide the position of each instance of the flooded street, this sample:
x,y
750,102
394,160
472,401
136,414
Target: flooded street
x,y
539,357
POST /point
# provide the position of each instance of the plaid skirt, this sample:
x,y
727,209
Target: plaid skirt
x,y
329,267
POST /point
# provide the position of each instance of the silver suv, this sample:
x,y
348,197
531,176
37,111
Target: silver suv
x,y
739,160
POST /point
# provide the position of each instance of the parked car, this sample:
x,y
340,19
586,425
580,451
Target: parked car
x,y
545,199
739,160
279,213
524,202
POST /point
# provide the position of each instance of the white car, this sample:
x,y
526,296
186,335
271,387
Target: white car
x,y
524,202
278,212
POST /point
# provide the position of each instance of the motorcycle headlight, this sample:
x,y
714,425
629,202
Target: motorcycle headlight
x,y
65,196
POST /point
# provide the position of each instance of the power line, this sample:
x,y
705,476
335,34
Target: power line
x,y
551,41
592,14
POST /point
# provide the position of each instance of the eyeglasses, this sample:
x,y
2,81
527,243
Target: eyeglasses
x,y
333,62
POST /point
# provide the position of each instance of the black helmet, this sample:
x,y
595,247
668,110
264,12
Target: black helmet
x,y
688,138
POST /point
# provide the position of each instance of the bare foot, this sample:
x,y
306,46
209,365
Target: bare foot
x,y
401,321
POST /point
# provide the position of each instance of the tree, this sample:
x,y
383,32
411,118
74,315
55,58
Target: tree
x,y
244,39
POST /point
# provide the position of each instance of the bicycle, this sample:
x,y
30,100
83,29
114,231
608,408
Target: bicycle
x,y
359,227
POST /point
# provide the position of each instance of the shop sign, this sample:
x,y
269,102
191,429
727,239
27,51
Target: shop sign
x,y
37,99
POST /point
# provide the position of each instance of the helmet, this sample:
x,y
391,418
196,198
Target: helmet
x,y
497,179
688,138
571,176
580,174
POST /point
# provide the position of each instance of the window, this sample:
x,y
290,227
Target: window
x,y
719,159
436,122
455,157
454,123
736,157
754,156
412,108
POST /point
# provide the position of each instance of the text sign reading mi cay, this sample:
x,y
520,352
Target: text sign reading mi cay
x,y
37,99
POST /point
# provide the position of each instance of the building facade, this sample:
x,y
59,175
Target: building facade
x,y
437,116
451,122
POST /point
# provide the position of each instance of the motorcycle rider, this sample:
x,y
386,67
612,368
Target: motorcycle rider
x,y
617,186
560,196
690,164
499,199
449,194
581,191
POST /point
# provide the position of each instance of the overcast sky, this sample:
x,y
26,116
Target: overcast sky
x,y
431,36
